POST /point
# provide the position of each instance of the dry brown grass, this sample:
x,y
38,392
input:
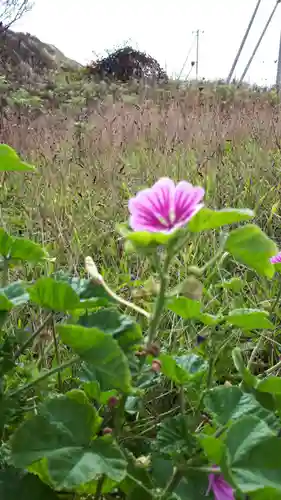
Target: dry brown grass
x,y
89,163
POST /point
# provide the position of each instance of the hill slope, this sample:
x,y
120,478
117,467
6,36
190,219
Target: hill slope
x,y
23,55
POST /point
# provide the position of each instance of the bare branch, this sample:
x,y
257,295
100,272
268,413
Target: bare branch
x,y
12,10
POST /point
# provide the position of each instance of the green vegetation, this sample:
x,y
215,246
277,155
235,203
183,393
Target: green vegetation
x,y
132,376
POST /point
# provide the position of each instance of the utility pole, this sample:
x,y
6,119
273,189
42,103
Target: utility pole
x,y
197,32
278,76
243,42
259,42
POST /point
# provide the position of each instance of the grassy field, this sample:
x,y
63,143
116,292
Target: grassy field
x,y
142,376
91,161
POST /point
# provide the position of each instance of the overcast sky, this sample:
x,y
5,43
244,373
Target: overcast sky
x,y
164,29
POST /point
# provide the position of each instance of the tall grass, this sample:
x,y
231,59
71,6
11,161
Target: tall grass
x,y
89,164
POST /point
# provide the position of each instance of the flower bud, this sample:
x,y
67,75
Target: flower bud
x,y
107,430
113,401
92,269
156,365
153,349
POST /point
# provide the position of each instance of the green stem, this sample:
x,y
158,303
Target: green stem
x,y
119,418
5,275
57,354
98,494
261,339
55,370
123,301
159,304
172,484
33,337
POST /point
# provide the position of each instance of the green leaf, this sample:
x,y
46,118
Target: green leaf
x,y
250,246
270,384
230,404
235,284
250,319
11,162
146,239
21,249
54,295
212,219
209,319
18,484
92,295
62,433
254,455
123,328
13,295
6,242
266,494
183,369
213,448
185,308
5,303
193,486
105,360
173,437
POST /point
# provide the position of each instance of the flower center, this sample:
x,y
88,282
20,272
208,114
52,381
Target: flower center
x,y
172,216
162,220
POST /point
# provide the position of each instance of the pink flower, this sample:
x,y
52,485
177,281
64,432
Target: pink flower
x,y
221,489
165,207
276,259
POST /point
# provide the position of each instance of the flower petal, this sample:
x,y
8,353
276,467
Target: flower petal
x,y
221,489
151,207
276,259
187,198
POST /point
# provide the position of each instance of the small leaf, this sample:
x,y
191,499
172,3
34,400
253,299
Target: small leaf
x,y
11,162
54,295
250,319
185,308
213,448
254,455
5,303
250,246
105,361
212,219
123,328
183,369
230,404
210,319
173,437
6,242
270,384
21,249
235,284
146,239
13,295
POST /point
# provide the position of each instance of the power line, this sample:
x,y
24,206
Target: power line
x,y
187,57
243,42
259,42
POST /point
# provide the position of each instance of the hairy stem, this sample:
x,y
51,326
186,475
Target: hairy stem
x,y
5,275
124,302
98,494
159,304
57,354
172,484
